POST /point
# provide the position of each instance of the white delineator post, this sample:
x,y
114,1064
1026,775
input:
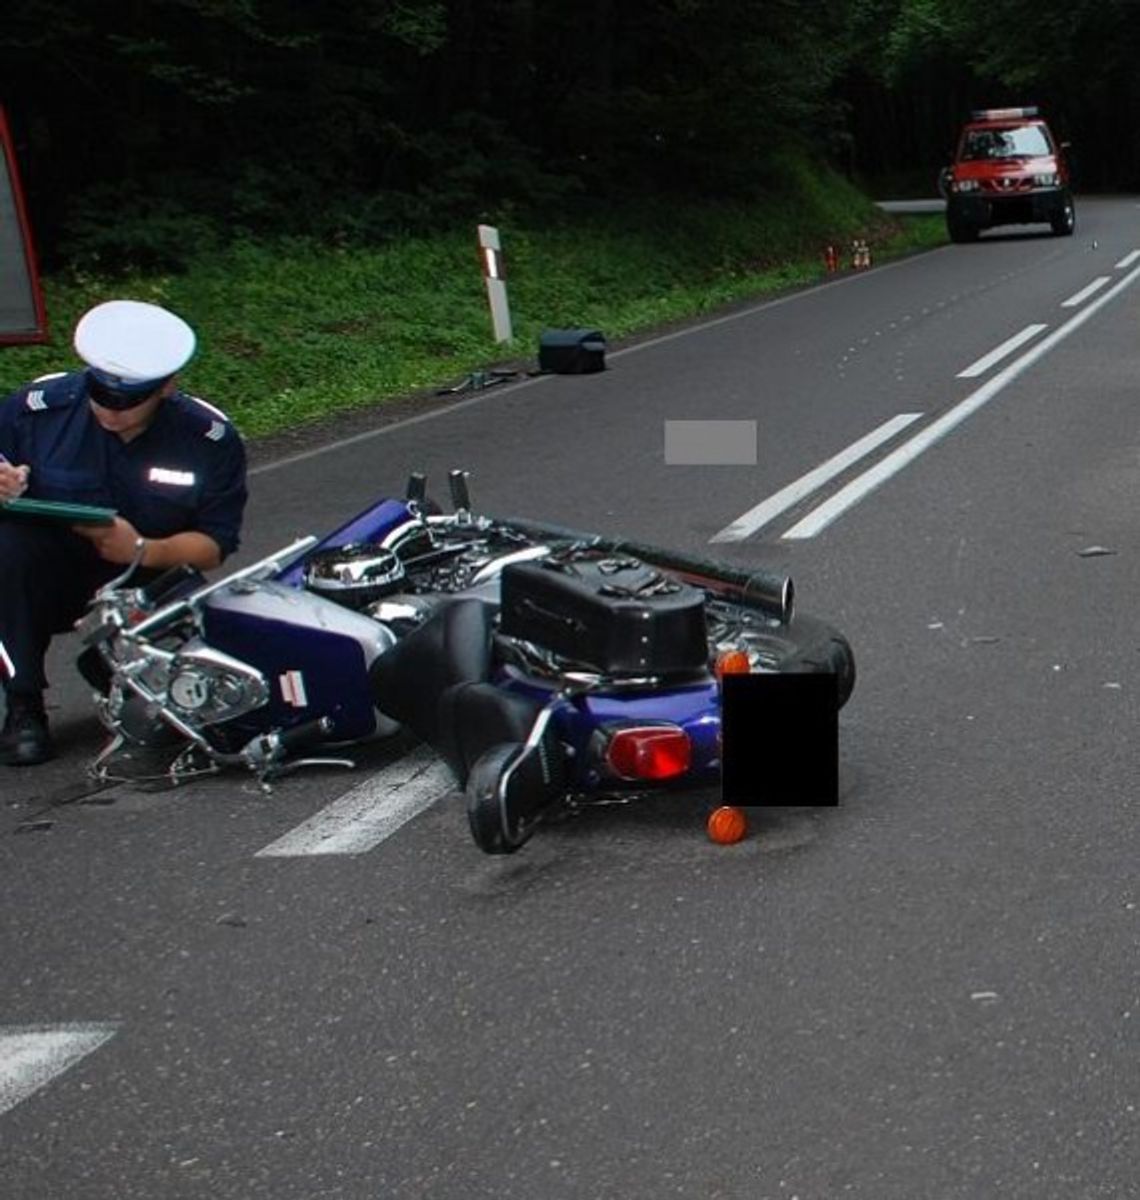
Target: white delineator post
x,y
491,253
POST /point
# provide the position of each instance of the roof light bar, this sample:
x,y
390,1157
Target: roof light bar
x,y
1004,114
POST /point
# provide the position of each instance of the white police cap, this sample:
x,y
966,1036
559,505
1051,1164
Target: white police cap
x,y
130,346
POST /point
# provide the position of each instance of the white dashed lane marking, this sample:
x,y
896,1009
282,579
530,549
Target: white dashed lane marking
x,y
996,355
33,1055
374,810
1085,292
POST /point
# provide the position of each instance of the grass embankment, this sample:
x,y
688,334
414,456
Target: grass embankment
x,y
293,332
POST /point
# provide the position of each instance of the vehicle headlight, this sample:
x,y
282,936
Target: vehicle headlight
x,y
1046,179
205,686
964,185
190,690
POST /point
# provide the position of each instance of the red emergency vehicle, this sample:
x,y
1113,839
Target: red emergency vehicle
x,y
1008,169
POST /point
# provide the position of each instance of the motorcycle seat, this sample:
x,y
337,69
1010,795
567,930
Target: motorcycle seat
x,y
453,646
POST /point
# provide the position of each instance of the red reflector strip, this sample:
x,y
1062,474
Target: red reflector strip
x,y
649,752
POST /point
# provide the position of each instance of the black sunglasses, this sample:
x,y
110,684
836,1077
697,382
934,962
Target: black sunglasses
x,y
107,397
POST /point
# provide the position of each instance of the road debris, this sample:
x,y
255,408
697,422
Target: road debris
x,y
34,826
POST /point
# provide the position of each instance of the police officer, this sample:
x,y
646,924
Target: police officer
x,y
118,434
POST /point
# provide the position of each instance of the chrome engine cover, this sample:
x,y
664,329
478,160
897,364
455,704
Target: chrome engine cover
x,y
205,687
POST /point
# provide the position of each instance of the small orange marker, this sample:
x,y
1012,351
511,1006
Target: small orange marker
x,y
727,825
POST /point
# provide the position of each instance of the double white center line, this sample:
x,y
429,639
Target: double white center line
x,y
767,510
862,485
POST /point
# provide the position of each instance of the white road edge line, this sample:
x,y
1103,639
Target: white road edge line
x,y
1086,292
862,486
1127,260
766,510
363,817
996,355
33,1055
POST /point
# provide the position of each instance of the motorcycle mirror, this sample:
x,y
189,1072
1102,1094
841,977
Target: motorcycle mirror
x,y
417,487
113,584
460,496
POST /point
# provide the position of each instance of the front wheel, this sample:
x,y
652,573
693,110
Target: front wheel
x,y
1065,219
959,229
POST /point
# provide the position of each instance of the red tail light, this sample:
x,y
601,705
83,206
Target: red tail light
x,y
649,752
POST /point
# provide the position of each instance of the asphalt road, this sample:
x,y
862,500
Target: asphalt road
x,y
931,991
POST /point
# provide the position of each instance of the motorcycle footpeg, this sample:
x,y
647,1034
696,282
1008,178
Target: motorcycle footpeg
x,y
510,789
269,750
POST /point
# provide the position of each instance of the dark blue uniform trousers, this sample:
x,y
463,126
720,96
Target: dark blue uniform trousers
x,y
47,576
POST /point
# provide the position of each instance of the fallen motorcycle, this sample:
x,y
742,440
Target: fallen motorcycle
x,y
547,667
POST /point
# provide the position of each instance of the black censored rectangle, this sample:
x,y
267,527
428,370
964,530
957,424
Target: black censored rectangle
x,y
780,741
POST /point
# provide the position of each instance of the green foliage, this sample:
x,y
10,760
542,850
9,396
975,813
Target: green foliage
x,y
149,233
192,122
922,31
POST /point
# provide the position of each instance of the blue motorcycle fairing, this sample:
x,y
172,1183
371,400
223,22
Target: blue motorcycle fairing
x,y
314,654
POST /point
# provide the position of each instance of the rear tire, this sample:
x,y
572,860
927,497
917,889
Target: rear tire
x,y
809,646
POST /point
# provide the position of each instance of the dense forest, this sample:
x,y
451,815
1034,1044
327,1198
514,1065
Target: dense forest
x,y
148,127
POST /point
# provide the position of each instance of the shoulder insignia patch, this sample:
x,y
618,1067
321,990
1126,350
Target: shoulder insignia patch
x,y
216,432
36,401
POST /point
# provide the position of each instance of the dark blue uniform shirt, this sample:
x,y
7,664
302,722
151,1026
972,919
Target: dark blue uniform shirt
x,y
185,471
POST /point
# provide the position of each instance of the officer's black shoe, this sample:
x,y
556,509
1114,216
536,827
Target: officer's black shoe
x,y
26,739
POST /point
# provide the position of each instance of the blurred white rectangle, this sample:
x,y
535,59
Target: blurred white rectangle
x,y
710,443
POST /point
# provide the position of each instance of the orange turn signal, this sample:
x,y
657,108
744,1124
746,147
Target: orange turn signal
x,y
732,662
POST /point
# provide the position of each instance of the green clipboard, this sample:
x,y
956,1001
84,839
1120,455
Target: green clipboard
x,y
59,510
